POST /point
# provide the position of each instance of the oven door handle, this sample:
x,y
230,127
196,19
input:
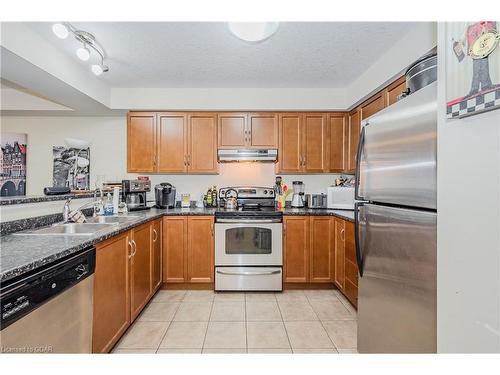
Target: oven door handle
x,y
247,273
246,221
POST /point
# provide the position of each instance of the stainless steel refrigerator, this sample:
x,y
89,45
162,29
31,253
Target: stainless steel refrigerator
x,y
396,227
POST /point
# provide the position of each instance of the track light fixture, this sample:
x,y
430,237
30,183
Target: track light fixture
x,y
88,44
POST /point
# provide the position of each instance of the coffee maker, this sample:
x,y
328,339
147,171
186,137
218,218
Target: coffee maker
x,y
298,194
134,194
165,195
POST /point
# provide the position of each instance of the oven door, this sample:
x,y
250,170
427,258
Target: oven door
x,y
255,242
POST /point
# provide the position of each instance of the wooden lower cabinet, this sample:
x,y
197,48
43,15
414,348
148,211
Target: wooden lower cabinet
x,y
126,276
188,249
111,292
140,268
320,250
339,233
296,249
321,261
156,262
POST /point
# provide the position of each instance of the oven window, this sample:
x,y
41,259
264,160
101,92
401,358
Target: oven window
x,y
248,240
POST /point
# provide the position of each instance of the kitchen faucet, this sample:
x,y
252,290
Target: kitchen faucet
x,y
94,203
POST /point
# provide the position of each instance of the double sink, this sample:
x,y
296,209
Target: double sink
x,y
91,226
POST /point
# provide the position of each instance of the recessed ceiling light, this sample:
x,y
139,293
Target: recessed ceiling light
x,y
253,31
83,53
60,30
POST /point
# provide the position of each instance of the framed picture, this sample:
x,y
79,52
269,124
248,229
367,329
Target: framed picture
x,y
71,167
472,68
13,164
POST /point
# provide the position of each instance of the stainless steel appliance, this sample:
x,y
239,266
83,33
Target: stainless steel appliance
x,y
165,195
298,194
50,310
396,227
341,197
248,242
265,155
316,200
134,194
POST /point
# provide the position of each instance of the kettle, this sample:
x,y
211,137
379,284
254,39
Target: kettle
x,y
165,195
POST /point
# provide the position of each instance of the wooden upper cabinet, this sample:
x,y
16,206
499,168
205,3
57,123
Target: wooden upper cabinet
x,y
174,244
202,144
373,105
315,150
352,139
172,142
296,249
200,249
111,292
156,255
262,130
337,132
233,130
339,233
321,263
394,90
141,142
290,142
141,271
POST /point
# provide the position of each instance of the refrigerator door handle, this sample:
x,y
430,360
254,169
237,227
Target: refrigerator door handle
x,y
359,154
359,258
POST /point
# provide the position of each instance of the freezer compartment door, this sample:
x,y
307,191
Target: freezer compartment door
x,y
397,155
397,292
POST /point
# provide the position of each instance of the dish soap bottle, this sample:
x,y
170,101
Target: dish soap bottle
x,y
108,205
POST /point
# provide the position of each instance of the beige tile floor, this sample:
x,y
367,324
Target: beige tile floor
x,y
295,321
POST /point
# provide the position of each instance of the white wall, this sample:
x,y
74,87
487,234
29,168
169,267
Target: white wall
x,y
468,227
109,156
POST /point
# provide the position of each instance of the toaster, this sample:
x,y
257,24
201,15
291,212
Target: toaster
x,y
340,197
316,200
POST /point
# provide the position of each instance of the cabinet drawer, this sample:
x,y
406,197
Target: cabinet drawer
x,y
351,272
351,292
248,278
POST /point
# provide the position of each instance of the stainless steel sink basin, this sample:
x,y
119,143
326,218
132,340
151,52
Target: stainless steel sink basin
x,y
111,219
84,229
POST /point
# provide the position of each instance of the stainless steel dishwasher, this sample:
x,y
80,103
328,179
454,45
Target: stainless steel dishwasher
x,y
50,309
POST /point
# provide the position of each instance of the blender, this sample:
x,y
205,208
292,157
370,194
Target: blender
x,y
298,194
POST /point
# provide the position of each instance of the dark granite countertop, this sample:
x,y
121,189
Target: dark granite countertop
x,y
21,253
4,201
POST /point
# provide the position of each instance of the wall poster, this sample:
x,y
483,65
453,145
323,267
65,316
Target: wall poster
x,y
472,68
13,164
71,167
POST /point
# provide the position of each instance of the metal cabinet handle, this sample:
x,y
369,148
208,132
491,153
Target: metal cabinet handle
x,y
248,273
185,160
135,248
131,252
156,235
342,234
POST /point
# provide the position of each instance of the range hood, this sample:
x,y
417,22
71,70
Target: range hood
x,y
263,155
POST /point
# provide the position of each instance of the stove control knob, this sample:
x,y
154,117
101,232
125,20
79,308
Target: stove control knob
x,y
271,192
265,191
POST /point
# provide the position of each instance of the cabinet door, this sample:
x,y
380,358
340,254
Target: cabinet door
x,y
156,257
350,265
141,142
141,272
111,293
263,130
395,89
290,143
202,155
337,132
372,106
174,238
296,249
233,130
339,253
172,142
322,245
314,155
200,249
352,139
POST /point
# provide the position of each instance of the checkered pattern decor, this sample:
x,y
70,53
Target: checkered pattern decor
x,y
479,103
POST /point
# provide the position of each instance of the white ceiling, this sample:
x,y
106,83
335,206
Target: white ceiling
x,y
201,54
